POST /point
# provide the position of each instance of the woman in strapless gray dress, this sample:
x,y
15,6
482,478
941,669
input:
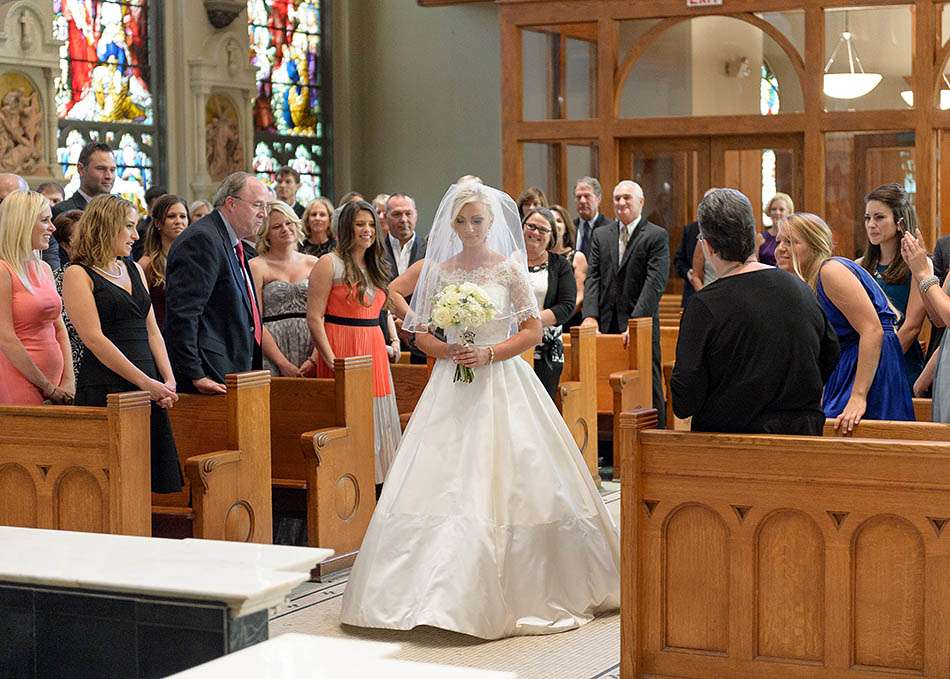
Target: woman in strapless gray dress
x,y
281,276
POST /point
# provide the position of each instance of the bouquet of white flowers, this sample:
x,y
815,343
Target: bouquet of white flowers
x,y
465,307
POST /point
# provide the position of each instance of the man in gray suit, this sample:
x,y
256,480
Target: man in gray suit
x,y
627,272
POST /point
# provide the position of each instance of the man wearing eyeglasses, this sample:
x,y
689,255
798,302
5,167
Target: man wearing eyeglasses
x,y
212,317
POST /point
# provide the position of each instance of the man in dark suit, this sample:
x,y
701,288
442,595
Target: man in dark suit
x,y
587,197
403,248
683,260
96,168
627,272
402,245
212,318
286,187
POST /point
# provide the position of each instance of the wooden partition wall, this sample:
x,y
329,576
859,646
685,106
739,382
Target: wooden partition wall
x,y
815,132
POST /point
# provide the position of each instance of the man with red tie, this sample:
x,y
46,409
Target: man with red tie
x,y
212,317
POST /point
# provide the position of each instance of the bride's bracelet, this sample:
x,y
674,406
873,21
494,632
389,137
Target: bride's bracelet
x,y
491,354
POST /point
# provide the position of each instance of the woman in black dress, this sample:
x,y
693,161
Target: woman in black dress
x,y
109,305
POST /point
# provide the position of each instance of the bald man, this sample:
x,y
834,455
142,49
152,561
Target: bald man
x,y
627,271
10,182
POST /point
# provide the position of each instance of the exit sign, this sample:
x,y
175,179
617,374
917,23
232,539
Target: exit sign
x,y
703,3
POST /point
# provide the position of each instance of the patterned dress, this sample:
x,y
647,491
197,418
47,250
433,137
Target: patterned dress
x,y
285,317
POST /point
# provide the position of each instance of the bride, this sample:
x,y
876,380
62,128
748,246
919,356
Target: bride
x,y
489,523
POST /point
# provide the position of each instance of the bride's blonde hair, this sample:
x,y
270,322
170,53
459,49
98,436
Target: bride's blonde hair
x,y
470,192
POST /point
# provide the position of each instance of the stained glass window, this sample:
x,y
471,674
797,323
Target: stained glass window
x,y
290,111
768,92
106,87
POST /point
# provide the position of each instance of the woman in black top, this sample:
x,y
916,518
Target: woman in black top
x,y
741,365
108,302
552,280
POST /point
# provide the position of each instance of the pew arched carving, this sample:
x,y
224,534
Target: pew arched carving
x,y
887,569
696,551
80,501
18,496
789,591
239,522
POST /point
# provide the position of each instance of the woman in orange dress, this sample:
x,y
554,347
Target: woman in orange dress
x,y
36,362
347,291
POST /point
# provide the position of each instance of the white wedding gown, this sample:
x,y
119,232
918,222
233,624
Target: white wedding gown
x,y
489,523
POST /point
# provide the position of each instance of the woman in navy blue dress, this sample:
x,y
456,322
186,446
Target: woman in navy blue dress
x,y
870,380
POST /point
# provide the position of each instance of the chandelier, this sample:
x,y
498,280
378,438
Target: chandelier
x,y
855,82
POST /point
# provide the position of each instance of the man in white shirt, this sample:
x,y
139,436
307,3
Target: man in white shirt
x,y
403,247
627,272
587,196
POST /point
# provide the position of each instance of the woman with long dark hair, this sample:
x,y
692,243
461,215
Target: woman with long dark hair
x,y
347,290
888,215
169,218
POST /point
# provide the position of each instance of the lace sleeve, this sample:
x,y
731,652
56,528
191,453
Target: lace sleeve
x,y
524,305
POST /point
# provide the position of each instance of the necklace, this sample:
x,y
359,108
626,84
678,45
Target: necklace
x,y
735,267
118,273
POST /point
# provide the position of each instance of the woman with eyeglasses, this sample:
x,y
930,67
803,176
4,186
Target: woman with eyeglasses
x,y
724,377
552,280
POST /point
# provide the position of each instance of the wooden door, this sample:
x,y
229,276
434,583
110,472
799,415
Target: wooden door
x,y
673,173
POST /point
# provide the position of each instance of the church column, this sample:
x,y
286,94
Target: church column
x,y
29,62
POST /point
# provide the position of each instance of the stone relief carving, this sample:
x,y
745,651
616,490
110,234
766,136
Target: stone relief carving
x,y
224,152
21,123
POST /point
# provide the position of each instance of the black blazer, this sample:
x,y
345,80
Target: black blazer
x,y
562,288
53,255
683,260
615,292
418,252
209,324
599,222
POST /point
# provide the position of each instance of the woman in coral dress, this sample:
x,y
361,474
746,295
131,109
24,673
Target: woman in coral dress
x,y
35,355
347,291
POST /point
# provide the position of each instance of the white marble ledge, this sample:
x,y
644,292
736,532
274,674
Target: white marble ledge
x,y
247,578
296,656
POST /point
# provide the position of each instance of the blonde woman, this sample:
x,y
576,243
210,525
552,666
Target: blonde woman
x,y
35,356
318,237
109,305
281,275
169,218
869,381
779,207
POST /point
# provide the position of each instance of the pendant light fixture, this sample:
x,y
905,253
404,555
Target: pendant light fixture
x,y
855,82
908,95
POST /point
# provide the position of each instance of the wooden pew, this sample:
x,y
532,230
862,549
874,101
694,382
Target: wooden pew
x,y
577,394
621,383
888,429
923,409
80,469
409,381
321,438
224,449
767,556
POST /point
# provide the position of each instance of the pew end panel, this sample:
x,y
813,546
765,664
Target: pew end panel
x,y
233,429
77,468
763,556
577,394
323,442
923,409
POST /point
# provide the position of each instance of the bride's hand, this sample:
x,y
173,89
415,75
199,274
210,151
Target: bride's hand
x,y
473,357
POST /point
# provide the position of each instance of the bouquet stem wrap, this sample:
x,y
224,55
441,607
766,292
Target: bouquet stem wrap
x,y
462,372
